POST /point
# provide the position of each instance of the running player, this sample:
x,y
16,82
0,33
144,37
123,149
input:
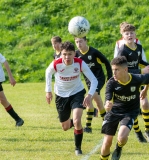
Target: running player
x,y
69,90
143,101
94,59
3,99
122,106
121,41
133,54
56,44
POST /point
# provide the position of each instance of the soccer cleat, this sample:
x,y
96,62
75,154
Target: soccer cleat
x,y
78,151
19,123
116,154
95,112
140,137
88,130
147,135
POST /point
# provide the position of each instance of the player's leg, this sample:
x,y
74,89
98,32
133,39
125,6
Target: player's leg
x,y
138,132
145,114
64,111
121,141
97,97
105,149
78,130
109,128
123,133
77,108
66,124
89,118
9,108
99,104
89,113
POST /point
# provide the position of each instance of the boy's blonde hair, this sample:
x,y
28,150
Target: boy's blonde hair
x,y
122,25
128,27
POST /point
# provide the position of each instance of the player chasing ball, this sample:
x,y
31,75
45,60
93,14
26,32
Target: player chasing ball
x,y
134,55
79,28
69,90
95,60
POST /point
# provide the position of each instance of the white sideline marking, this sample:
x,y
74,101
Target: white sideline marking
x,y
86,157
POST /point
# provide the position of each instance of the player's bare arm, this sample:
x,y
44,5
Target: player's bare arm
x,y
49,97
108,105
11,79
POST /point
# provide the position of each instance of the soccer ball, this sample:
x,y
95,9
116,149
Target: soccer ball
x,y
78,26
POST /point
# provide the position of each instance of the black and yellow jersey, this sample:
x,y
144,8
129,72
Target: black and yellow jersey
x,y
55,56
94,60
126,97
134,58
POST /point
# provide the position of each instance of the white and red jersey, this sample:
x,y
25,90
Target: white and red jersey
x,y
2,75
121,41
68,77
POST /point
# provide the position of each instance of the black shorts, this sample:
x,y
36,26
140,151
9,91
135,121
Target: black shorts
x,y
1,87
64,105
101,82
111,122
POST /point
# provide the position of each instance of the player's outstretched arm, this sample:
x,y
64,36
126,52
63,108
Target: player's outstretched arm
x,y
49,97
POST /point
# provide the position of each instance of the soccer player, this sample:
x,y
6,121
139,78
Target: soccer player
x,y
122,105
94,59
121,41
133,54
69,90
3,99
56,44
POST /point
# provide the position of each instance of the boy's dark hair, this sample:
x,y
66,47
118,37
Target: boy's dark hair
x,y
128,27
56,39
68,46
119,61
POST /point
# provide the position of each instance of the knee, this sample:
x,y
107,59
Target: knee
x,y
65,127
77,123
122,139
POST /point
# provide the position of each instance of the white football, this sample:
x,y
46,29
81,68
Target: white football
x,y
78,26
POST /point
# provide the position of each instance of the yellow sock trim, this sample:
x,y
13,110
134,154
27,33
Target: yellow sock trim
x,y
102,111
145,111
104,157
89,110
120,144
136,120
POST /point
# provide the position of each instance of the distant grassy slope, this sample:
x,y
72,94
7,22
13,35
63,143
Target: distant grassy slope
x,y
27,26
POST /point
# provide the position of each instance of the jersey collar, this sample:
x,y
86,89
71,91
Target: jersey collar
x,y
130,78
85,51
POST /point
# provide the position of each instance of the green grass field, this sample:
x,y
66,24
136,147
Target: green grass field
x,y
41,136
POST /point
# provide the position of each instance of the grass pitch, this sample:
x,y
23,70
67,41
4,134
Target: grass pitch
x,y
41,136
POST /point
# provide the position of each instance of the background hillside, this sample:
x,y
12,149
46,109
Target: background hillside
x,y
26,27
